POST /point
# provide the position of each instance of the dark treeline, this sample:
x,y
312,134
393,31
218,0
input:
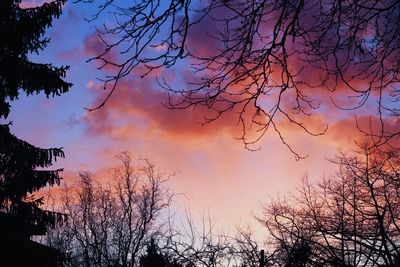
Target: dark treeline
x,y
127,222
349,219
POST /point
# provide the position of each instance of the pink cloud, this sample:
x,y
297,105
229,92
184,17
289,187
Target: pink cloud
x,y
33,3
95,46
138,100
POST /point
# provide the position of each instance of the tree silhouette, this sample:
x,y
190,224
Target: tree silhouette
x,y
351,219
270,61
111,224
154,257
22,165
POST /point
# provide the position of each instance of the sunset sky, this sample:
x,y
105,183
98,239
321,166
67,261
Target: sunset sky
x,y
214,172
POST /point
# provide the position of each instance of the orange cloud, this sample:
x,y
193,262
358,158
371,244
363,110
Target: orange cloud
x,y
137,104
361,129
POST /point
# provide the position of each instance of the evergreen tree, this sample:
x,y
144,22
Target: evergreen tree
x,y
154,258
23,167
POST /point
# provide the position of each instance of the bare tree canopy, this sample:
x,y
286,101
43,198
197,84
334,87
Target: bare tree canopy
x,y
110,225
351,219
271,62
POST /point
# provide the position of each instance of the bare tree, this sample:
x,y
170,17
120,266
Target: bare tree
x,y
193,244
110,225
348,220
270,61
197,246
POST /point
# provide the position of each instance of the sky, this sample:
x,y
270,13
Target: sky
x,y
213,171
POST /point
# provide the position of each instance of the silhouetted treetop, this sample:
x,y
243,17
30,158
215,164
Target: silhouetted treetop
x,y
272,62
22,31
155,257
36,157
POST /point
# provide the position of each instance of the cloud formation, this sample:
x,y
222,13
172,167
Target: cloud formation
x,y
137,100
